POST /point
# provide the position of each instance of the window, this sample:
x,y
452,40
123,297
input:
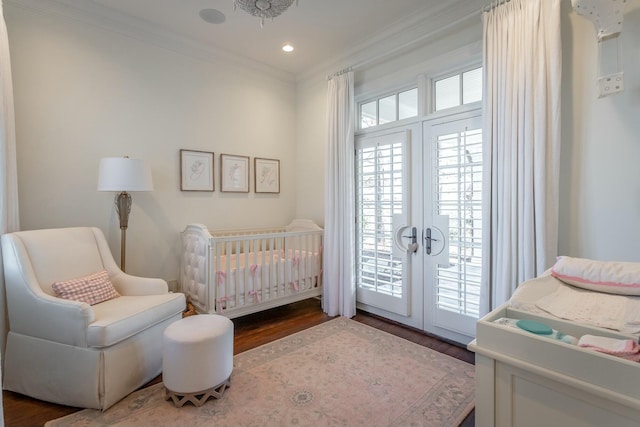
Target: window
x,y
389,108
368,114
408,104
459,89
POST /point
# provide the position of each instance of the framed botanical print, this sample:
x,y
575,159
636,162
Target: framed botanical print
x,y
266,175
234,173
196,170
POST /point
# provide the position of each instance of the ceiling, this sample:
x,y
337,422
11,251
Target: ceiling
x,y
318,29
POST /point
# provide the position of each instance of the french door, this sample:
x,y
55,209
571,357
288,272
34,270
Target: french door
x,y
453,204
383,270
418,222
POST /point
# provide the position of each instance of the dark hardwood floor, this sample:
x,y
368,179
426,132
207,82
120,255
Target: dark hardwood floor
x,y
250,331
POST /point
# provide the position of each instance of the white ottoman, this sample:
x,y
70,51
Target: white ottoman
x,y
197,358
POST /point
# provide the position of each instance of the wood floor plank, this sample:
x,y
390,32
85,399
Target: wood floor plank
x,y
249,332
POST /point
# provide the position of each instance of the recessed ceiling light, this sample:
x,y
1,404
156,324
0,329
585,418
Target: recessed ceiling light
x,y
212,16
287,48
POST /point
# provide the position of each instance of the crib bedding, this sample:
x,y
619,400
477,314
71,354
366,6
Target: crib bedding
x,y
282,273
238,272
548,296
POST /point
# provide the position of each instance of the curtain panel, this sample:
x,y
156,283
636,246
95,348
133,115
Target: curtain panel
x,y
338,275
522,66
8,170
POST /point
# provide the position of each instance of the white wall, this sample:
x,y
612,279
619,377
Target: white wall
x,y
600,172
311,136
83,93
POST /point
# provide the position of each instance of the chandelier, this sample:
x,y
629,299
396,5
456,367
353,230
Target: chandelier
x,y
263,8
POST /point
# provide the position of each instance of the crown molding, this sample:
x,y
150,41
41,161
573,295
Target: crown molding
x,y
400,37
395,39
93,14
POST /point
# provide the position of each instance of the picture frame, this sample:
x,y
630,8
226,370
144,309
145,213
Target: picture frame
x,y
266,175
234,173
196,170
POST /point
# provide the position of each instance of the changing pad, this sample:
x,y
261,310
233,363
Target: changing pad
x,y
529,292
547,295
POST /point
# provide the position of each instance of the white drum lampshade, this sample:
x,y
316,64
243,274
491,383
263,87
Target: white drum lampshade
x,y
124,174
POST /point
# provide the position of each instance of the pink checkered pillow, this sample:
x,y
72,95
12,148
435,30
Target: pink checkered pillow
x,y
91,289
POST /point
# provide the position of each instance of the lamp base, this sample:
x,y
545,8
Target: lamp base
x,y
123,208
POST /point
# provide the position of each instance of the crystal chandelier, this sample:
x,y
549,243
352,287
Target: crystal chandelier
x,y
263,8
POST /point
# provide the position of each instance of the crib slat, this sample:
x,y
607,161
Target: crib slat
x,y
237,276
228,288
263,269
248,263
287,267
278,279
310,259
218,281
299,252
305,282
297,257
320,249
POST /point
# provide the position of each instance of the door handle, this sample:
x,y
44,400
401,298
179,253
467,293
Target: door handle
x,y
413,247
427,241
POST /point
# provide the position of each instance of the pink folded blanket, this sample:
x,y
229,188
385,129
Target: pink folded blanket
x,y
626,348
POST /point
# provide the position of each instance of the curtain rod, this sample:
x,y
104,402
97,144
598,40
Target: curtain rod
x,y
407,45
339,73
489,7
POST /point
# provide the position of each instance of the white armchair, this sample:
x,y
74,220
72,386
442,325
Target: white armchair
x,y
70,352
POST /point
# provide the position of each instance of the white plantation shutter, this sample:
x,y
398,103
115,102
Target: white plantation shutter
x,y
380,196
458,194
382,214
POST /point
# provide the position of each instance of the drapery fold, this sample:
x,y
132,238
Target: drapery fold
x,y
9,220
339,292
522,66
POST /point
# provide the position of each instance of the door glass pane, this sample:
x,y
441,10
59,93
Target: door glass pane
x,y
368,115
459,195
408,104
472,86
379,192
387,109
447,92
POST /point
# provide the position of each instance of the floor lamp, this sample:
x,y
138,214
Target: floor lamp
x,y
123,174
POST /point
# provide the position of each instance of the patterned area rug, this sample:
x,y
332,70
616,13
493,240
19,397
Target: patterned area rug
x,y
339,373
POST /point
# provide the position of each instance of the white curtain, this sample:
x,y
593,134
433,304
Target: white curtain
x,y
8,170
522,67
339,292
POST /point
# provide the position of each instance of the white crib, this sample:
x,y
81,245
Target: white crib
x,y
238,272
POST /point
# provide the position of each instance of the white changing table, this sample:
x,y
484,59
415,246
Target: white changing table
x,y
527,380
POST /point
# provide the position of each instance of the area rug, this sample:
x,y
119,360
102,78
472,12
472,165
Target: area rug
x,y
339,373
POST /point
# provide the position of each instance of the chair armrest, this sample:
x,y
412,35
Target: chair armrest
x,y
50,318
33,312
127,284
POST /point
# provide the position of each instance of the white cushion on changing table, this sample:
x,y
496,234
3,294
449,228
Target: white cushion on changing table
x,y
197,353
